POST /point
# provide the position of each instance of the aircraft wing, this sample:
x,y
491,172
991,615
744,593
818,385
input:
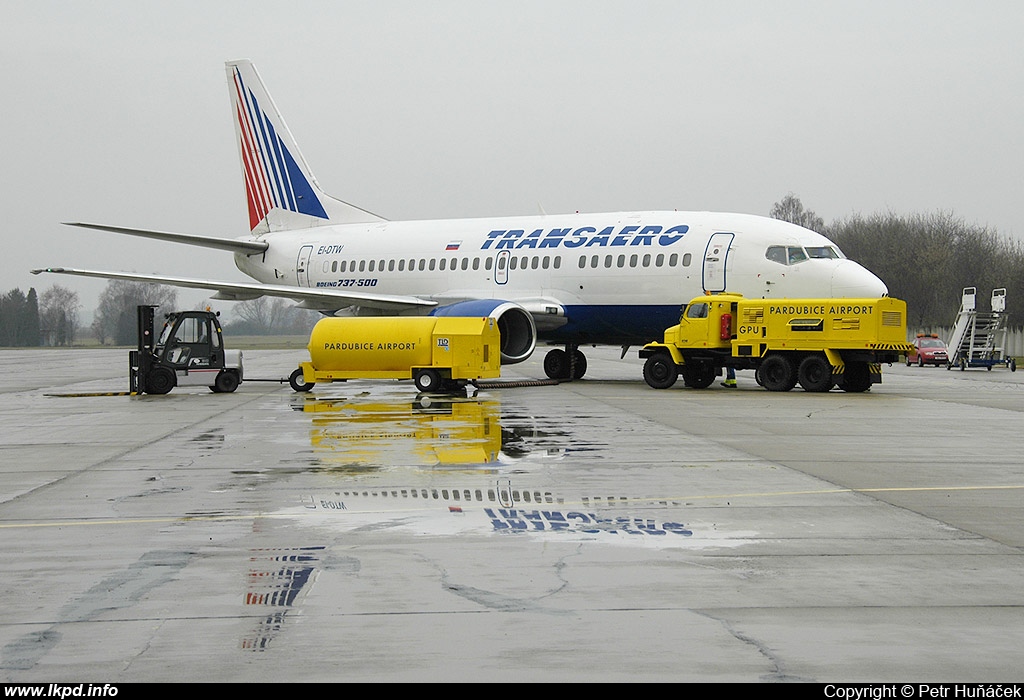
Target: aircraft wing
x,y
235,245
317,298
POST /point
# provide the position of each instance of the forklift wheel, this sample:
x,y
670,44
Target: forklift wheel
x,y
298,383
225,383
159,381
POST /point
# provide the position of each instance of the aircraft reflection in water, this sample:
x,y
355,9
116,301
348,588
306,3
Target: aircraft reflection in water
x,y
464,464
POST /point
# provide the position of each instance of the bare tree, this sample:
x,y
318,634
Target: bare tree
x,y
927,260
791,209
268,316
58,314
115,316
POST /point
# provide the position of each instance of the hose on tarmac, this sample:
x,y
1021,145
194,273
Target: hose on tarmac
x,y
517,384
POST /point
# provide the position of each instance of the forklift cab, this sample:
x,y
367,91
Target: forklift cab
x,y
189,352
191,340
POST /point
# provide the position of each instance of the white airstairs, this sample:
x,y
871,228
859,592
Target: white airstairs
x,y
978,338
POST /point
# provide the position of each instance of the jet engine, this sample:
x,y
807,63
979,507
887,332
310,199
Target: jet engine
x,y
515,324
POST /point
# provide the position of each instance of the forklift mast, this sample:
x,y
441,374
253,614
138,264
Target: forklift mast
x,y
140,361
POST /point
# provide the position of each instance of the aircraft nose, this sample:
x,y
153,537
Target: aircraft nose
x,y
851,280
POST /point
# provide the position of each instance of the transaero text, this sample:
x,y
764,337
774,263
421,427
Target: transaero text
x,y
584,237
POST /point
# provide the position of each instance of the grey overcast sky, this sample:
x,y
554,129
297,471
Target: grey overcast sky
x,y
117,112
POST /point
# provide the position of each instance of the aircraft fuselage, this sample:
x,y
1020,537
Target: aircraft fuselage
x,y
601,278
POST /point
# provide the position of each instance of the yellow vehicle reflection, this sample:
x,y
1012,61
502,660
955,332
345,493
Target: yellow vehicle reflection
x,y
428,431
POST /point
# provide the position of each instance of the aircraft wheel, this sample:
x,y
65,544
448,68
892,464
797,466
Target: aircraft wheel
x,y
298,383
815,373
556,364
160,381
777,373
660,371
226,382
579,364
428,380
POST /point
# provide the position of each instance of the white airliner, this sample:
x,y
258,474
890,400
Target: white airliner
x,y
564,279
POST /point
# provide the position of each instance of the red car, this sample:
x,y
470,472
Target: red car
x,y
928,350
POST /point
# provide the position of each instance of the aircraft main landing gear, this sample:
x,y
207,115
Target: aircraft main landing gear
x,y
565,364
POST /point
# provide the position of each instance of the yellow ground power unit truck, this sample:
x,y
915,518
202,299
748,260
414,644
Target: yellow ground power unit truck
x,y
817,343
439,353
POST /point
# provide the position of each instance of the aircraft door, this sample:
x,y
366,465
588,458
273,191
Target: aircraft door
x,y
302,265
715,257
501,267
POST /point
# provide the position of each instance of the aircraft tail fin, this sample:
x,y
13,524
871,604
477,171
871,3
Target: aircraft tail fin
x,y
279,185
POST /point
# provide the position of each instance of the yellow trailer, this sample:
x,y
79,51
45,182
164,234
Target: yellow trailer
x,y
817,343
437,352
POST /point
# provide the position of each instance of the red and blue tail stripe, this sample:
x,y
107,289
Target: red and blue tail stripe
x,y
273,178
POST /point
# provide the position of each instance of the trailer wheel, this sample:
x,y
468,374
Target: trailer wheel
x,y
226,382
815,373
428,380
777,373
660,371
297,382
160,380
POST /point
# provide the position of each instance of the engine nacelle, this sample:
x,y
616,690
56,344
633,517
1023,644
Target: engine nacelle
x,y
515,325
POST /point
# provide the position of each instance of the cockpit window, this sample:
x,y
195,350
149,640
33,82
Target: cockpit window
x,y
786,255
825,251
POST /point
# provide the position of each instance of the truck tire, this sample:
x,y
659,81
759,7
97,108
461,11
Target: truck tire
x,y
428,380
226,382
856,377
815,373
660,371
698,375
160,380
777,373
298,383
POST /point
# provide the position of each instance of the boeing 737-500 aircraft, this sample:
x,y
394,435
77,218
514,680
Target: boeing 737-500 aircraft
x,y
563,279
